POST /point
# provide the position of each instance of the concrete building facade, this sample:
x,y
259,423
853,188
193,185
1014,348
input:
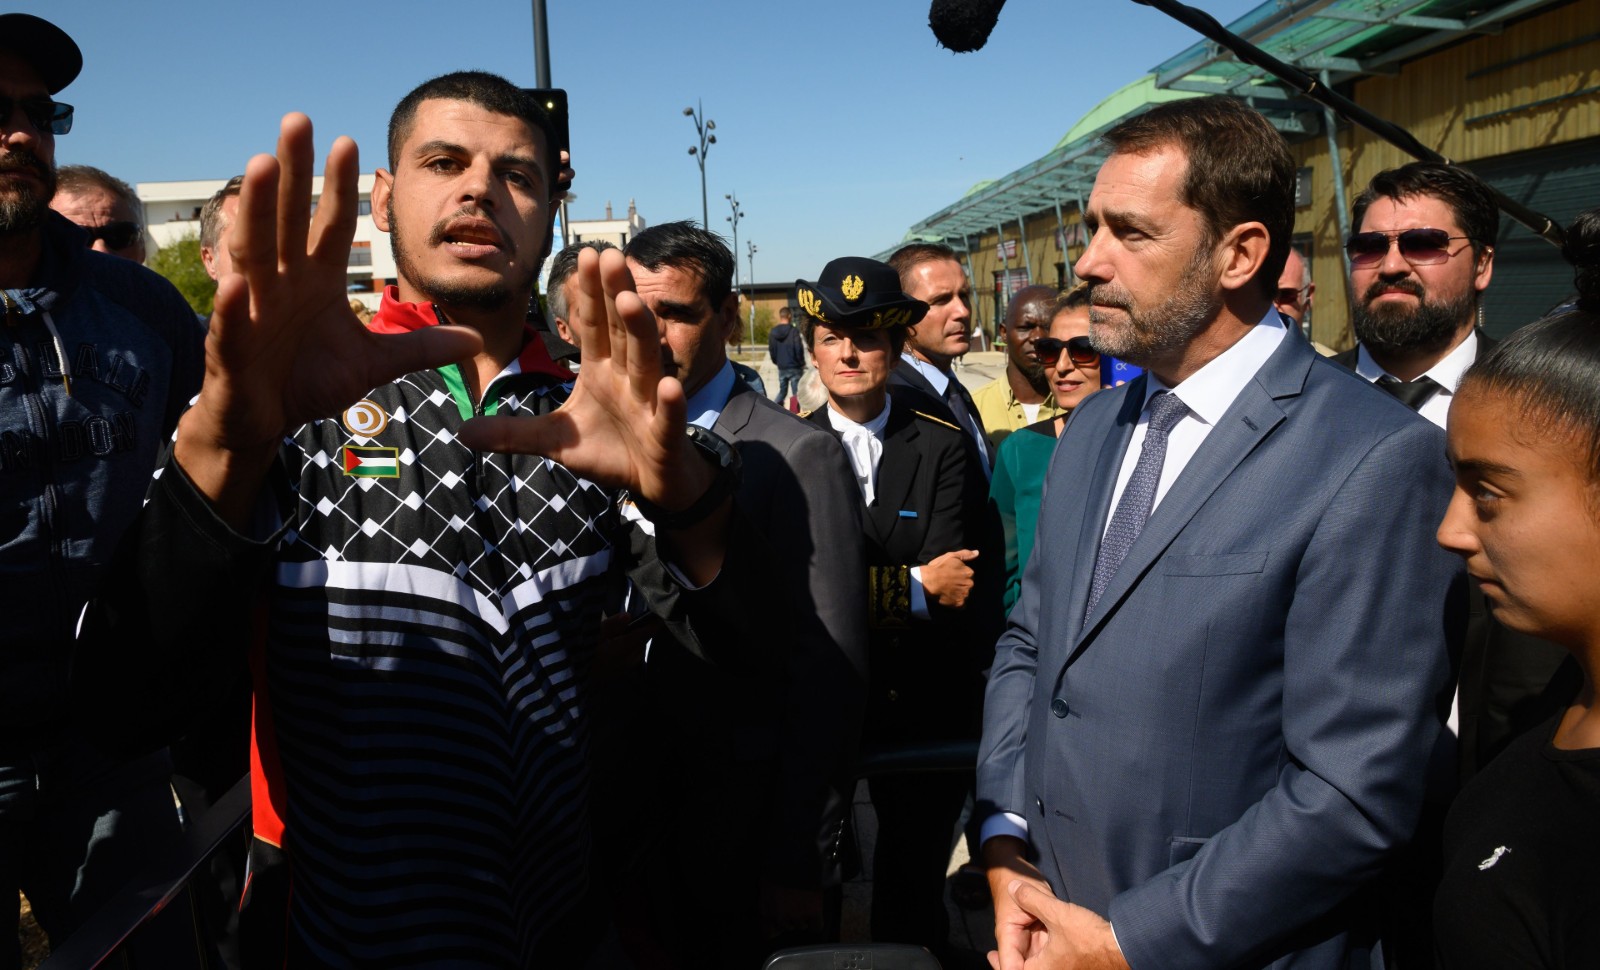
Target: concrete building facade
x,y
172,212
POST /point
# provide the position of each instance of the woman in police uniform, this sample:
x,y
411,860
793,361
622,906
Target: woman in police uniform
x,y
933,603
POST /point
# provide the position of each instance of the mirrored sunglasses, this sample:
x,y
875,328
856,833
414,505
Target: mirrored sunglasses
x,y
1420,247
42,113
117,235
1079,351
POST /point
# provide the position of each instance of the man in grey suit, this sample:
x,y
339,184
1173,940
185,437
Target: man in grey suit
x,y
1208,721
756,759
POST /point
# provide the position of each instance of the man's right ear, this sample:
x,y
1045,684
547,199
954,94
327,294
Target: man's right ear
x,y
382,188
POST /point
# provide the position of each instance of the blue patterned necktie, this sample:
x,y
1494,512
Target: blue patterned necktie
x,y
1138,496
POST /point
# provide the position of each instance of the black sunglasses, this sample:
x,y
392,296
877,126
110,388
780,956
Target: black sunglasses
x,y
117,235
1079,351
1289,294
42,113
1420,247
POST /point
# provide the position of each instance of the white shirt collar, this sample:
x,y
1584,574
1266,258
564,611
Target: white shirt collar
x,y
1212,389
842,424
706,404
1447,372
938,378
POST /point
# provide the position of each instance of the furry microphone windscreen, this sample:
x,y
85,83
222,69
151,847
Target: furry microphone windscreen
x,y
963,25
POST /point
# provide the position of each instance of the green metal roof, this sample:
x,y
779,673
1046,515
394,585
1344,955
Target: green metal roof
x,y
1345,39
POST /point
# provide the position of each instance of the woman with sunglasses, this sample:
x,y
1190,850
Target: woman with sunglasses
x,y
1073,369
933,602
1521,884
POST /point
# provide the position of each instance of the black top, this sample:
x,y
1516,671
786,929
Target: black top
x,y
785,347
1521,884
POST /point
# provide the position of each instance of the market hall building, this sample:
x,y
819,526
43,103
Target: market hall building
x,y
1508,88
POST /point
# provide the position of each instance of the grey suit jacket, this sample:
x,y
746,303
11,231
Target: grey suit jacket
x,y
799,491
1232,744
1503,673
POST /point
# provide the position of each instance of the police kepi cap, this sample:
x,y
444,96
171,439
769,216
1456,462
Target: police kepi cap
x,y
854,291
44,46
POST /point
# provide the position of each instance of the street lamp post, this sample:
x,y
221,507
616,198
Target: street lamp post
x,y
752,286
704,127
737,214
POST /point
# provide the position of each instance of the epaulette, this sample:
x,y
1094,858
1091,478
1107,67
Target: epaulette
x,y
807,414
935,420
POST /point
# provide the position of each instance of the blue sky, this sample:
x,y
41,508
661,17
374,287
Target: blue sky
x,y
840,122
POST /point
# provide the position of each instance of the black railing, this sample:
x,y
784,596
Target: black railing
x,y
100,939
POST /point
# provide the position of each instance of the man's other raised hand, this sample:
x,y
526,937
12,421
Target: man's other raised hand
x,y
284,346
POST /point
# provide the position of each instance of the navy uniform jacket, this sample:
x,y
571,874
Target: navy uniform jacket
x,y
926,673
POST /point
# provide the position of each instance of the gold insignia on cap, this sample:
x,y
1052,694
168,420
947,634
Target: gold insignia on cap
x,y
892,317
852,288
810,303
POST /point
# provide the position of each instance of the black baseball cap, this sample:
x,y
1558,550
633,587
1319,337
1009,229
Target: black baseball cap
x,y
44,46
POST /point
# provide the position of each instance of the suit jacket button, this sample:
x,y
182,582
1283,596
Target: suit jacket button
x,y
1058,707
894,695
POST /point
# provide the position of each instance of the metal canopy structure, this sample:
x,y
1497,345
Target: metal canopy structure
x,y
1342,40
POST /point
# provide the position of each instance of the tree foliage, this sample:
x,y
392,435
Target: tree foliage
x,y
180,263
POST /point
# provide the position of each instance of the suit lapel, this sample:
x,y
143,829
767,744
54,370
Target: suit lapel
x,y
736,413
1251,418
897,472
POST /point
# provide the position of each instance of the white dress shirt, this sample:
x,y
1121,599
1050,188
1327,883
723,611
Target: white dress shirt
x,y
1447,372
863,443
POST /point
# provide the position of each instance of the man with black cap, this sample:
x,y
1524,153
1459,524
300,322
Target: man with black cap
x,y
100,356
932,605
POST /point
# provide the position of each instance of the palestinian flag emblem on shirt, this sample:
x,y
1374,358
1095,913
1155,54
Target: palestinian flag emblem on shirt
x,y
371,462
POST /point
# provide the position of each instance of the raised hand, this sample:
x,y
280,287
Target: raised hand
x,y
623,426
284,347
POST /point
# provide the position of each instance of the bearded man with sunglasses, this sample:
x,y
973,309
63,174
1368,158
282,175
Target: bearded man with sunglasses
x,y
1421,255
97,358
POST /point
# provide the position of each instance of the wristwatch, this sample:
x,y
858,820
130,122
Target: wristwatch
x,y
730,469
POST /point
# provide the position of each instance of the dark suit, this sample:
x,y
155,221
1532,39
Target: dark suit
x,y
1503,673
1230,746
924,398
926,674
738,769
